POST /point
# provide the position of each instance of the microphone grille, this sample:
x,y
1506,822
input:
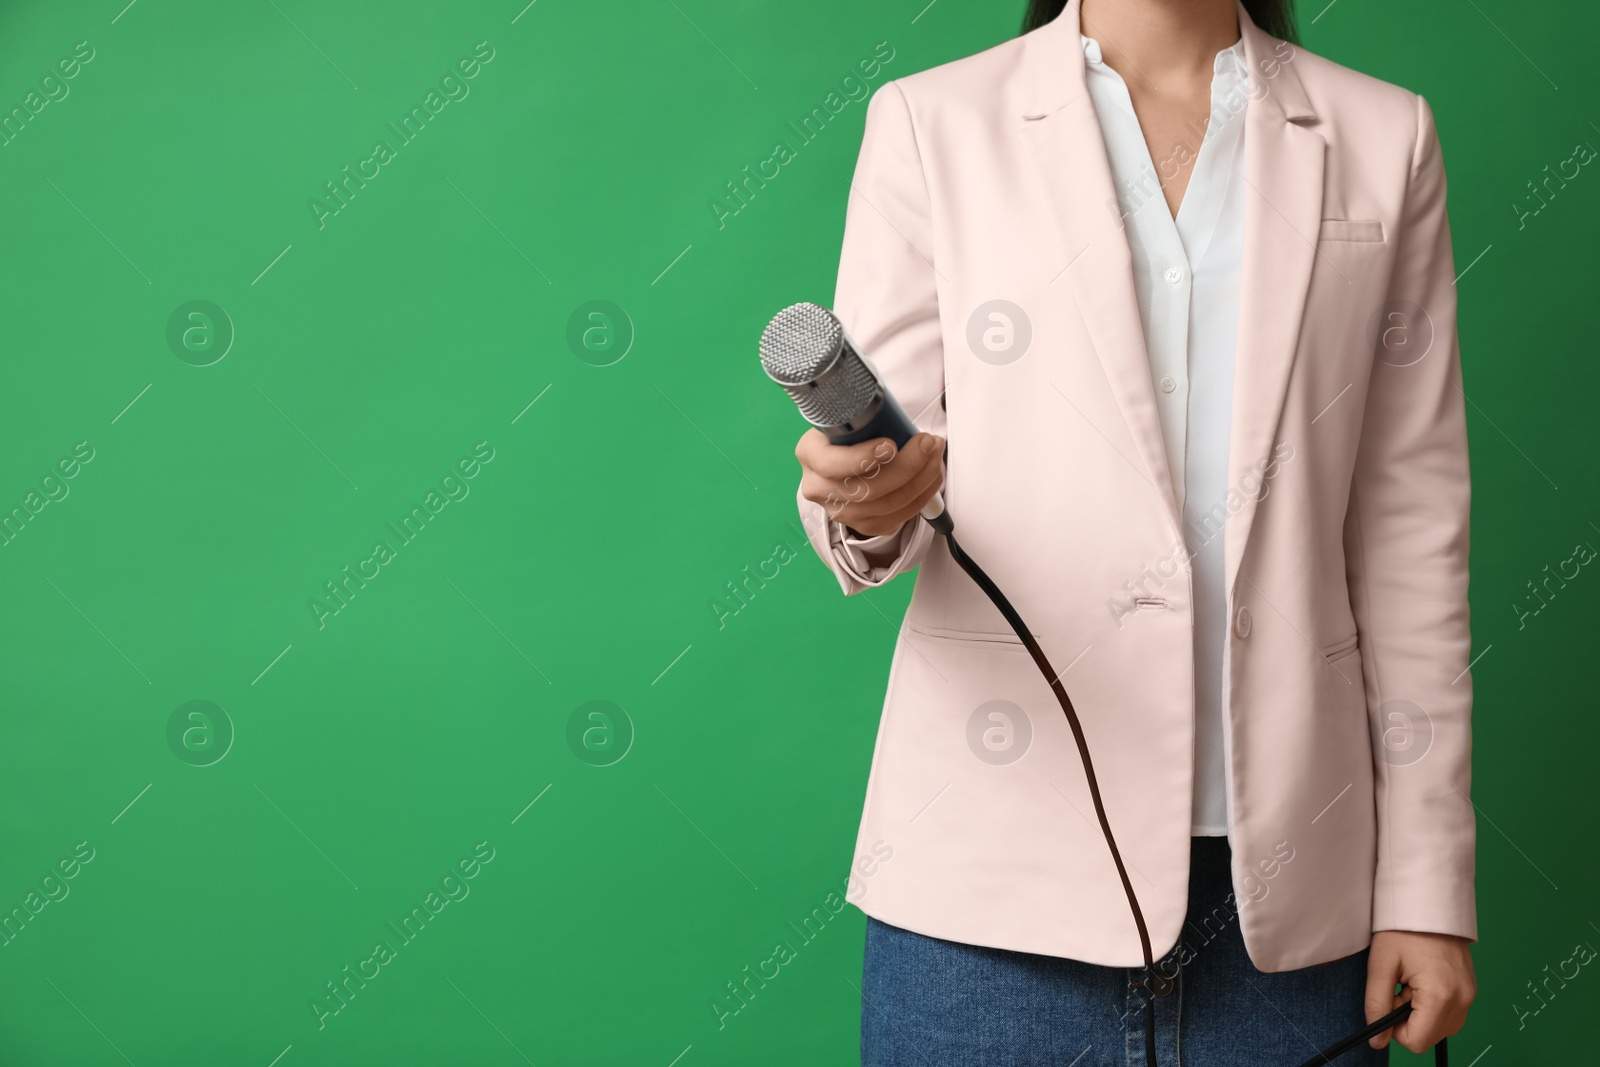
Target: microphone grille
x,y
800,343
804,349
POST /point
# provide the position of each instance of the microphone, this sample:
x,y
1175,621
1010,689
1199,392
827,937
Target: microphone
x,y
805,349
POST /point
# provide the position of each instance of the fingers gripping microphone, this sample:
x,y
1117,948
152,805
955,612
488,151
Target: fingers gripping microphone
x,y
806,350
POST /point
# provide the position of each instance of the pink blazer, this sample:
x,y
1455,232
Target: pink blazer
x,y
1348,701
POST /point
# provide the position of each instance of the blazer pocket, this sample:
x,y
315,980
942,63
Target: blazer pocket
x,y
1361,231
996,641
1340,649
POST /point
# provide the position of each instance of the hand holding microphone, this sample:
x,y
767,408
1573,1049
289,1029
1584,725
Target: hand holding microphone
x,y
864,462
873,487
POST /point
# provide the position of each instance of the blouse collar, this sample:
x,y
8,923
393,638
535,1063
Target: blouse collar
x,y
1228,61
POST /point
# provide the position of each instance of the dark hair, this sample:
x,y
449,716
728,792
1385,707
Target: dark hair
x,y
1276,17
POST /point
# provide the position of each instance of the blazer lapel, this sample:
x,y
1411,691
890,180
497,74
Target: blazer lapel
x,y
1063,134
1283,212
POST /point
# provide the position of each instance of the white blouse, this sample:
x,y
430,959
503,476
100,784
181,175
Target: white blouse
x,y
1186,274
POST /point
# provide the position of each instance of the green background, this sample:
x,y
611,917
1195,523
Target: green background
x,y
370,755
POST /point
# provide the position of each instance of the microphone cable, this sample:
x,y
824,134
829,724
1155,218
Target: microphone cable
x,y
1154,982
1441,1051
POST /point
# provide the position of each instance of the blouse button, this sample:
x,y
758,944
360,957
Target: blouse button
x,y
1168,385
1174,275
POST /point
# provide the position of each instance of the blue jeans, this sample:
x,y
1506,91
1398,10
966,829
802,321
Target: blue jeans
x,y
932,1003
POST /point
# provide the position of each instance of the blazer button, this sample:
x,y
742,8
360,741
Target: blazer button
x,y
1241,622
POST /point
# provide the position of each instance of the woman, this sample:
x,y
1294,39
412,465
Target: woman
x,y
1172,300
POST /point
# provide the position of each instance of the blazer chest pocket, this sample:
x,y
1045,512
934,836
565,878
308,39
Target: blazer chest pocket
x,y
1351,231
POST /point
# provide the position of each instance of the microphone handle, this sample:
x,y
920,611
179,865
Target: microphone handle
x,y
892,422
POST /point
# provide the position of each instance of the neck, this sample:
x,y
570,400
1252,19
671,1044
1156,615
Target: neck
x,y
1150,38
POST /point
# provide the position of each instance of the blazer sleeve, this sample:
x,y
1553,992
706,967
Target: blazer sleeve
x,y
1406,559
888,302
